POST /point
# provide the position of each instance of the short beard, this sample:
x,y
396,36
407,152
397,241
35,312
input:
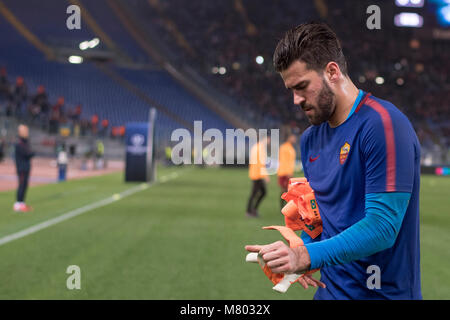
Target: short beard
x,y
326,105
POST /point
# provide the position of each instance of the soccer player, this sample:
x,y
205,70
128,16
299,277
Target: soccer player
x,y
286,160
23,155
362,158
258,175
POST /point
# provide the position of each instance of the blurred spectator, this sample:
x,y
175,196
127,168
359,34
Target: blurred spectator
x,y
2,149
94,123
76,115
56,116
39,112
4,84
114,132
84,127
104,128
39,107
99,160
122,131
59,106
17,97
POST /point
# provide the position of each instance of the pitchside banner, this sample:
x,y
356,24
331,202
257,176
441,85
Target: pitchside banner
x,y
139,162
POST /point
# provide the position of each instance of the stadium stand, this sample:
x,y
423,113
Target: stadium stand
x,y
231,34
115,94
216,44
111,25
163,89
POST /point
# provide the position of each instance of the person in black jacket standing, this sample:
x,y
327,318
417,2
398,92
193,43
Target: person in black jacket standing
x,y
23,155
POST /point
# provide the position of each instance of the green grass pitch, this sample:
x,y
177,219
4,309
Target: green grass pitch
x,y
181,239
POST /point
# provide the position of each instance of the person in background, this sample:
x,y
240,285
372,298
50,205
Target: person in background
x,y
23,155
114,132
286,164
99,161
168,154
62,163
94,123
122,132
60,105
56,115
258,175
76,115
39,107
17,97
104,127
84,127
4,84
2,149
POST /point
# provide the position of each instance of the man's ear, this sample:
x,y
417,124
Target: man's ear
x,y
332,72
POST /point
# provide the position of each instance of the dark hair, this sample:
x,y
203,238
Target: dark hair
x,y
313,43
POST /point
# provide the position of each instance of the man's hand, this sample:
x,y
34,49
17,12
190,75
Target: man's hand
x,y
282,259
307,279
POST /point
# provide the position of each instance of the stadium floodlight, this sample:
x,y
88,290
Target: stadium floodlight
x,y
410,3
84,45
379,80
444,15
408,19
259,60
75,59
94,42
89,44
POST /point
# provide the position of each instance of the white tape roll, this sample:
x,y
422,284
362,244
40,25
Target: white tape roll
x,y
252,257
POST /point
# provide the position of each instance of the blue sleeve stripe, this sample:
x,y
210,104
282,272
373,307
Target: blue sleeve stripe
x,y
377,231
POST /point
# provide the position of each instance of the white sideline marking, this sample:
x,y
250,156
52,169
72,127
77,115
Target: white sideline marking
x,y
65,216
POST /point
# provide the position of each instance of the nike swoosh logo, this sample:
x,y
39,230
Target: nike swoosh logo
x,y
311,159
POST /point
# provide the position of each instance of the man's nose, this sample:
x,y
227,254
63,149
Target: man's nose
x,y
298,99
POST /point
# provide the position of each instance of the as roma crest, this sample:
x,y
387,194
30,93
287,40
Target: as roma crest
x,y
345,149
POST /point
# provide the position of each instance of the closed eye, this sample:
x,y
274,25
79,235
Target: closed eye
x,y
301,85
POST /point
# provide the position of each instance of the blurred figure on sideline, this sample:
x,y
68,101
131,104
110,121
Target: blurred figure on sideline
x,y
2,149
258,174
23,155
286,164
168,156
62,163
99,160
